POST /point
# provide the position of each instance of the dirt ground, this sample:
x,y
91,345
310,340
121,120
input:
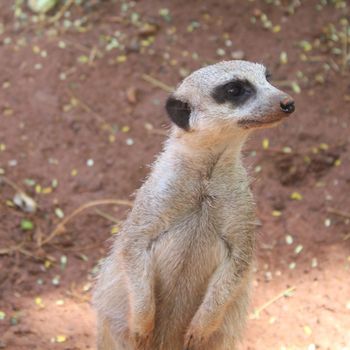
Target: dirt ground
x,y
81,119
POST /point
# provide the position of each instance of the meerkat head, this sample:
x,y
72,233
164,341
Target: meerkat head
x,y
228,96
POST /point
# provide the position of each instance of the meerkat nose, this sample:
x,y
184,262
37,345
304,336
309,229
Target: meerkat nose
x,y
287,105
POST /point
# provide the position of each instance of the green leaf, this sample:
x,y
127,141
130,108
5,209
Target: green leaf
x,y
26,225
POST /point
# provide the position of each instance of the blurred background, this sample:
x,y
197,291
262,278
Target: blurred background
x,y
82,92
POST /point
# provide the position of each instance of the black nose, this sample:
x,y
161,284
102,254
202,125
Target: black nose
x,y
287,105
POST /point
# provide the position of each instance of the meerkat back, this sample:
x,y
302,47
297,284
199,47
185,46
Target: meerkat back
x,y
178,275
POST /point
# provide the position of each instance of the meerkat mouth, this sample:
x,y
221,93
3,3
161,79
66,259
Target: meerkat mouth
x,y
256,123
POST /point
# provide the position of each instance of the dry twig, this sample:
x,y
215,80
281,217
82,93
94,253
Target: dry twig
x,y
338,212
61,12
10,250
107,216
60,228
12,184
346,55
157,83
87,108
258,311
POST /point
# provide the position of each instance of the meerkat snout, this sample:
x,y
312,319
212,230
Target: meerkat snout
x,y
287,105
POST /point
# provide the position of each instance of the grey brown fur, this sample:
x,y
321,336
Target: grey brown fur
x,y
178,276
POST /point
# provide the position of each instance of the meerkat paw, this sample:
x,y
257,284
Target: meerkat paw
x,y
142,342
141,330
196,336
194,340
141,338
202,327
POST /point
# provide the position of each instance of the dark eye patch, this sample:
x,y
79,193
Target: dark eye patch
x,y
236,91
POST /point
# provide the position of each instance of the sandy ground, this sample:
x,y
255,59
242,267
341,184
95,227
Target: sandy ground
x,y
80,121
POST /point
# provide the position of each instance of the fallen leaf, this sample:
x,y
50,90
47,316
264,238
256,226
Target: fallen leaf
x,y
265,143
26,225
60,338
296,196
131,95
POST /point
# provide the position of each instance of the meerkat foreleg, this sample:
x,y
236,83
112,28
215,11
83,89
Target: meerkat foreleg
x,y
139,273
223,287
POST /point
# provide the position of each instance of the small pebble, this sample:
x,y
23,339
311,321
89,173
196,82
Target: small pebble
x,y
327,222
298,249
272,320
287,150
56,281
238,55
62,44
220,52
289,239
2,315
6,84
129,141
268,276
63,261
59,213
283,57
87,287
292,265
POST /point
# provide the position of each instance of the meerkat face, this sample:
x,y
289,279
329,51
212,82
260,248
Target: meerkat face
x,y
228,95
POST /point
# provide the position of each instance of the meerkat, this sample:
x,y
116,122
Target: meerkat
x,y
179,273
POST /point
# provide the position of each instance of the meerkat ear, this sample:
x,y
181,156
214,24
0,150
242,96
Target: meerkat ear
x,y
179,112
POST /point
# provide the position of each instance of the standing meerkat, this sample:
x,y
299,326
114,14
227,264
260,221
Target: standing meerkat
x,y
178,276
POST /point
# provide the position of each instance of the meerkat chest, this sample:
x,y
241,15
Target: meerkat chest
x,y
187,255
189,252
196,237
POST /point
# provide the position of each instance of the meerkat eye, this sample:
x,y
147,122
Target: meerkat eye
x,y
235,89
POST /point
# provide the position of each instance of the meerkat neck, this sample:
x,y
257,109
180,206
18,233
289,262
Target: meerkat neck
x,y
204,152
185,162
184,172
